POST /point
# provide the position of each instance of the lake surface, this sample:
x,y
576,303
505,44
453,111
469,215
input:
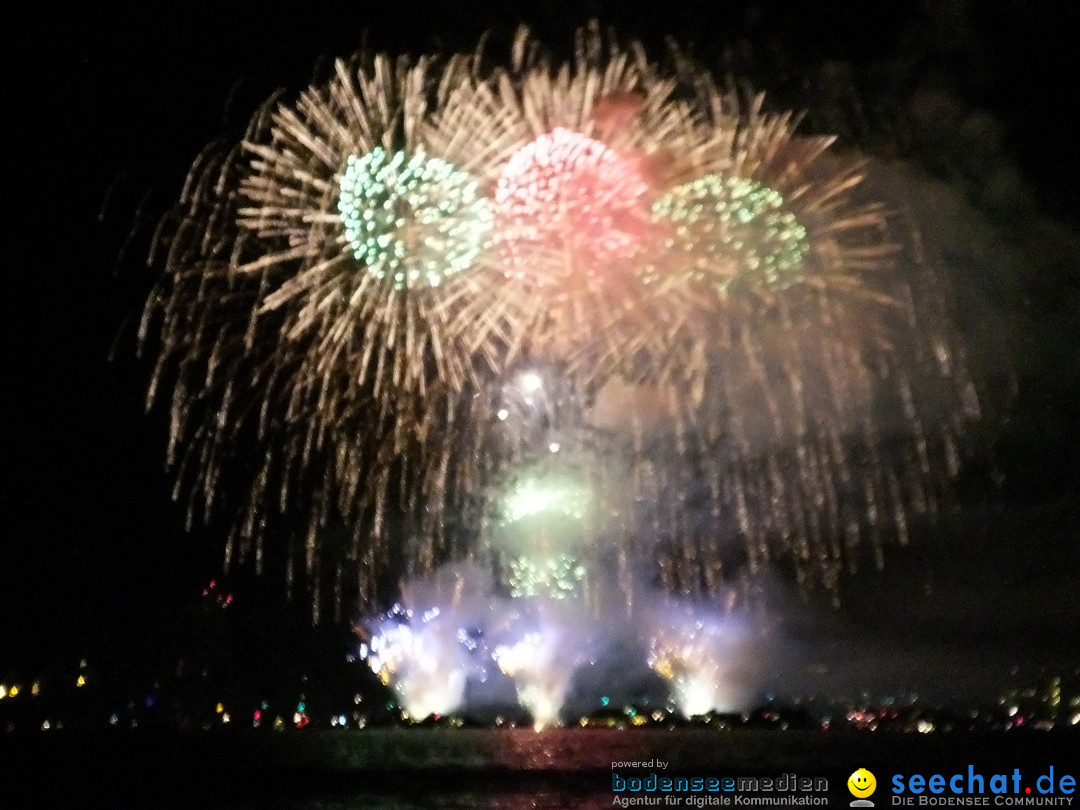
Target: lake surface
x,y
395,769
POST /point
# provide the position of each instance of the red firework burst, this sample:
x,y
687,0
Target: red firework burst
x,y
570,197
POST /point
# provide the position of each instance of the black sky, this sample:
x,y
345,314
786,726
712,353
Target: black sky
x,y
113,104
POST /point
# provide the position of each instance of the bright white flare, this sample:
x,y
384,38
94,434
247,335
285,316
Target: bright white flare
x,y
426,665
541,675
700,657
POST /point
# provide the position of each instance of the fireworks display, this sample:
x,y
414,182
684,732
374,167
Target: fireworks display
x,y
699,656
426,666
569,196
413,219
735,222
557,577
416,297
454,648
531,496
541,676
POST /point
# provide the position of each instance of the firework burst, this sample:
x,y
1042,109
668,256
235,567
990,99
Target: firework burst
x,y
312,306
348,294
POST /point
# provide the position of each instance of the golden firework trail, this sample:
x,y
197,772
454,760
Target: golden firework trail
x,y
349,295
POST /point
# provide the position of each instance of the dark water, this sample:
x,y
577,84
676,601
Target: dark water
x,y
444,768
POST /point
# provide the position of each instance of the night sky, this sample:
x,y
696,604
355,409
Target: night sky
x,y
107,108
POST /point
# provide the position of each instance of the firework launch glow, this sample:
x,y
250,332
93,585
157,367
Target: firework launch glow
x,y
700,656
426,666
456,647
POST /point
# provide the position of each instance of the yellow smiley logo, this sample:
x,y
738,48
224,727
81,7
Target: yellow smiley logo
x,y
861,783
